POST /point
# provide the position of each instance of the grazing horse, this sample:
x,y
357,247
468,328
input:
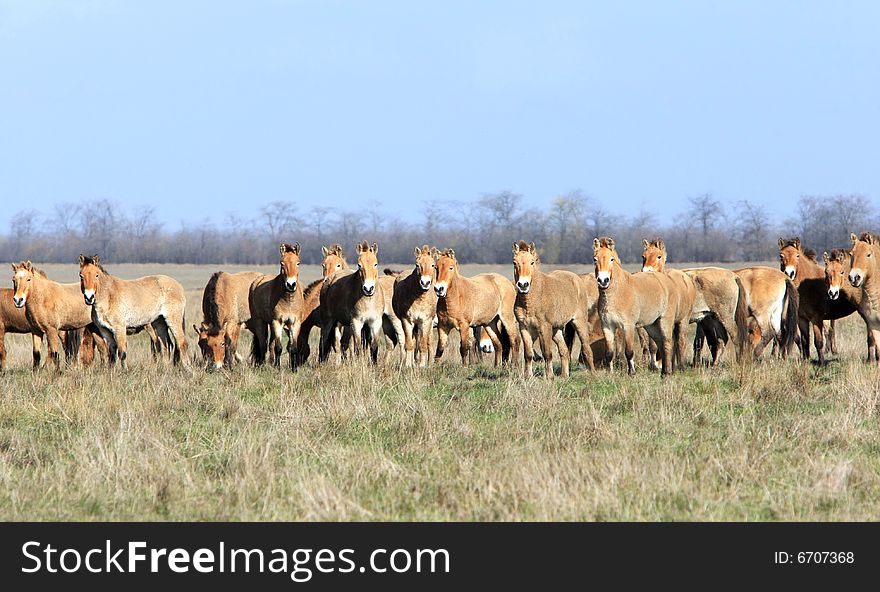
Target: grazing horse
x,y
14,320
837,267
720,304
276,304
865,276
52,309
814,304
631,300
117,304
773,306
466,302
225,310
545,304
415,304
355,301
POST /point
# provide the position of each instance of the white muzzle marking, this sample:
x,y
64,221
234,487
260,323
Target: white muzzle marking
x,y
18,301
440,289
833,293
369,287
523,284
425,282
856,277
790,271
89,296
486,346
603,278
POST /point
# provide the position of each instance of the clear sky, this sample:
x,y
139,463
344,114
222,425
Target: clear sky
x,y
208,107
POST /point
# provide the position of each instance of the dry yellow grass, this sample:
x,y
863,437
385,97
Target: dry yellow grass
x,y
782,440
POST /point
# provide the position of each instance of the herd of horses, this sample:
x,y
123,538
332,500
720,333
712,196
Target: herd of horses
x,y
612,312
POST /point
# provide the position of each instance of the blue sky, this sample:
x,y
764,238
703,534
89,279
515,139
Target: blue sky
x,y
204,108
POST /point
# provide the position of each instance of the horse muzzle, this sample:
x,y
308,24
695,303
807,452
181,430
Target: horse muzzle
x,y
603,281
425,285
440,291
833,293
290,286
523,287
647,268
89,299
369,290
18,301
791,272
856,279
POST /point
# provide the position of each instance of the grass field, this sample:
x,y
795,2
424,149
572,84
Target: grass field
x,y
778,440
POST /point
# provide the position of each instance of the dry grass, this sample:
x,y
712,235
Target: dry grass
x,y
781,440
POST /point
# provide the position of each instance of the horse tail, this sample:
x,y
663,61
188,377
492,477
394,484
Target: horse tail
x,y
258,353
568,333
72,339
392,272
504,337
741,318
790,328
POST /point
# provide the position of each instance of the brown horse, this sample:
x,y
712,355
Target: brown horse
x,y
118,304
837,268
415,304
354,301
814,304
276,304
864,275
333,261
720,304
225,310
631,300
545,304
53,310
14,320
773,306
486,300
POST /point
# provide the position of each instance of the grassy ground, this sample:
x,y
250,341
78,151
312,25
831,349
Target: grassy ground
x,y
779,440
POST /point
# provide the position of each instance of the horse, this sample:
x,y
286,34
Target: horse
x,y
546,303
631,300
415,304
14,320
814,304
486,300
773,307
52,309
837,268
225,309
276,304
720,303
863,275
355,301
117,304
333,260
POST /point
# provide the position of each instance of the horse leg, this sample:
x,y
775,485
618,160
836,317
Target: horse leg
x,y
52,342
564,353
87,347
424,333
2,348
492,331
510,324
528,351
155,344
818,340
545,336
442,338
582,328
121,344
293,343
464,347
408,344
276,337
629,337
232,336
328,332
804,330
610,348
356,328
375,327
678,334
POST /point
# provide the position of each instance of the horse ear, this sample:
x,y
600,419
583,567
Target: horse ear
x,y
532,248
451,253
797,242
418,252
375,248
296,248
645,243
324,250
826,257
435,253
82,259
359,247
853,237
515,248
595,243
781,242
610,243
96,260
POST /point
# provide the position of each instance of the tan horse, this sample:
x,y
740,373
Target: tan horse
x,y
814,305
773,306
415,304
631,300
225,310
354,301
333,261
720,302
277,304
837,268
14,320
864,275
53,310
118,304
545,304
486,300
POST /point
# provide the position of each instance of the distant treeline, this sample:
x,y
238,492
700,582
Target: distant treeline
x,y
707,230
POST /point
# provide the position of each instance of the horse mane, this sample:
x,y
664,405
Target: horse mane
x,y
792,242
448,253
840,255
212,311
93,260
810,254
33,269
392,272
336,249
870,238
657,243
312,286
605,242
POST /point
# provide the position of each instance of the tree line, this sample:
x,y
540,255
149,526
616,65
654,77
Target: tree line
x,y
707,230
